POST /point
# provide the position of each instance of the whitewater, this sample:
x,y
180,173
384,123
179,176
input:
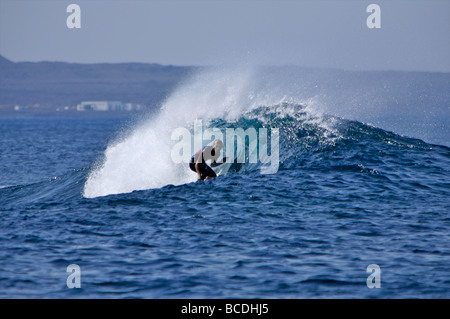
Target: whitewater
x,y
142,159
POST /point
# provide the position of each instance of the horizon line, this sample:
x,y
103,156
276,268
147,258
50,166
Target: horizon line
x,y
229,64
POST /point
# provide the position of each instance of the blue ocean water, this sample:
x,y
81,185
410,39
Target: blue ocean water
x,y
93,192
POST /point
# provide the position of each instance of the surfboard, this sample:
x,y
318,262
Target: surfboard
x,y
231,165
221,168
234,164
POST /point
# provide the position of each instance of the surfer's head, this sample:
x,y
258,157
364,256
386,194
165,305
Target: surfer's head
x,y
217,145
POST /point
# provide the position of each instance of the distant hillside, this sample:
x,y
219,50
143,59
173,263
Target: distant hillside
x,y
55,84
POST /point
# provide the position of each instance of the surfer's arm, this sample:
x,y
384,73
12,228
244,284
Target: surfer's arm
x,y
215,164
196,166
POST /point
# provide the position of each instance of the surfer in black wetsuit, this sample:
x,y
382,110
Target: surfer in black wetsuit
x,y
198,160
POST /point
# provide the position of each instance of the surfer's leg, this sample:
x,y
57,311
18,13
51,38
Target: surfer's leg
x,y
205,171
209,173
202,170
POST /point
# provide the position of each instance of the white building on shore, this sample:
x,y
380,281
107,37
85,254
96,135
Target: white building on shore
x,y
108,106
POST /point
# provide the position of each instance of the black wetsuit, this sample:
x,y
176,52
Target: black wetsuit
x,y
204,169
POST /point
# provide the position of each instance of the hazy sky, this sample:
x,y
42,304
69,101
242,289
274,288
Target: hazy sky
x,y
414,35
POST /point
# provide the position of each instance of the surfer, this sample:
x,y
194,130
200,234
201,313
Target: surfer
x,y
198,160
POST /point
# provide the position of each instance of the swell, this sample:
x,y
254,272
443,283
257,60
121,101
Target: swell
x,y
56,190
306,140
